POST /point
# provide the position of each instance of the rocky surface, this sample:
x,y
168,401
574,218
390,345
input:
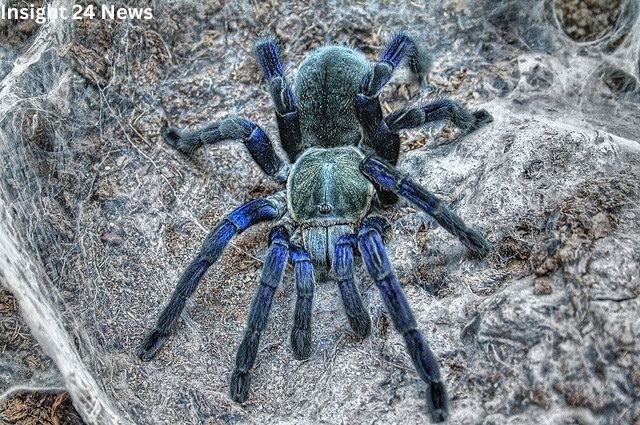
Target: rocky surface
x,y
99,218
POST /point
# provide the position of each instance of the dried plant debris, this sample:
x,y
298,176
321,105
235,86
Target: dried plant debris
x,y
22,360
106,216
21,357
575,223
39,408
15,33
588,20
620,82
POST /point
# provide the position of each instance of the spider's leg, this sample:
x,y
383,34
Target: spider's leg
x,y
440,110
272,273
380,269
235,222
305,282
385,143
343,273
287,113
377,135
235,128
400,46
389,178
379,138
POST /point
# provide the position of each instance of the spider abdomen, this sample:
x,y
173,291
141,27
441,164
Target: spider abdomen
x,y
327,197
326,86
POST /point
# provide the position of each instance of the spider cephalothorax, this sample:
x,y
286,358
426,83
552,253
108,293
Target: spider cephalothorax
x,y
341,154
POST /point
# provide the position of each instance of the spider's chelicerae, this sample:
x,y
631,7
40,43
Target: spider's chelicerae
x,y
340,169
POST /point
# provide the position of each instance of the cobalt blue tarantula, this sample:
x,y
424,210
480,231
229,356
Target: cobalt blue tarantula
x,y
341,154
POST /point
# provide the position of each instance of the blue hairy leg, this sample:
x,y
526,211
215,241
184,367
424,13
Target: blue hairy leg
x,y
343,272
287,113
389,178
254,138
380,269
384,142
305,282
378,136
400,47
214,244
440,110
272,273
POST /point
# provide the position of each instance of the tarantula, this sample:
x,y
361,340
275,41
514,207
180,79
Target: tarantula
x,y
341,154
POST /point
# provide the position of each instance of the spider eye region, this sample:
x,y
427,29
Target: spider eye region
x,y
325,208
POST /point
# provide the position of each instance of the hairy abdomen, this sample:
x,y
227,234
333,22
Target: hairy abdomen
x,y
326,87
